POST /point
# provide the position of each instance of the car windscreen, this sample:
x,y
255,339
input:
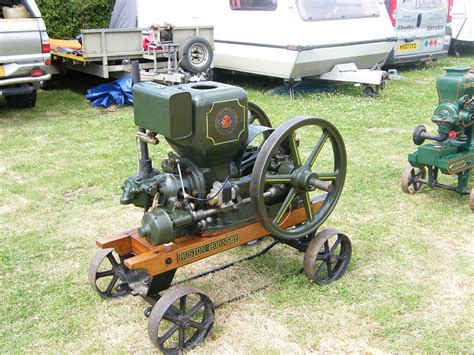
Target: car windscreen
x,y
318,10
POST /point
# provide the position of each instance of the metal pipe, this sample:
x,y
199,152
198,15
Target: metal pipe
x,y
144,165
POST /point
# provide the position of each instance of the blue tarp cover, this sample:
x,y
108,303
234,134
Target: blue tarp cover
x,y
118,92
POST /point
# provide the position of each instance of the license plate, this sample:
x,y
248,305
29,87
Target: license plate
x,y
408,46
2,71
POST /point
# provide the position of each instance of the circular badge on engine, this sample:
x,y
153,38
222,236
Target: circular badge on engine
x,y
226,121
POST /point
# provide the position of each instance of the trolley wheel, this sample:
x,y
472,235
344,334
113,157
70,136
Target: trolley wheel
x,y
196,54
410,181
327,256
180,320
321,169
471,200
258,116
105,273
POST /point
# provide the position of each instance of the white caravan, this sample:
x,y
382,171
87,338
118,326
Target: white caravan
x,y
287,39
463,23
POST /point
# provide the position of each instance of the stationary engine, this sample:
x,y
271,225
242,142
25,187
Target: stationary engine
x,y
203,185
230,180
452,153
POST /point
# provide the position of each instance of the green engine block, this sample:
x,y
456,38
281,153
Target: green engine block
x,y
452,151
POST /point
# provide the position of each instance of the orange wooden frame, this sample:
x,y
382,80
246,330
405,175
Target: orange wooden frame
x,y
185,250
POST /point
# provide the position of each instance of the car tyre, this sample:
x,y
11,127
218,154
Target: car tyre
x,y
196,54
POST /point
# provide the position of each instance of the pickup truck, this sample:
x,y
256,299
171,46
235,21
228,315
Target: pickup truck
x,y
24,52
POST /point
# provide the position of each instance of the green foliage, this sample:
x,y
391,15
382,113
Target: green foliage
x,y
66,19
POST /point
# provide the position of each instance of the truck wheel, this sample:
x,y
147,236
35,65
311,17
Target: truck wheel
x,y
21,100
196,54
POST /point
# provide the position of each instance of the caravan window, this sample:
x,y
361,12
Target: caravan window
x,y
317,10
263,5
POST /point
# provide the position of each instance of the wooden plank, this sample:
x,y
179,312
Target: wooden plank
x,y
189,249
121,242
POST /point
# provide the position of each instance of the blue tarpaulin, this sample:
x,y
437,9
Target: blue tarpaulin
x,y
118,92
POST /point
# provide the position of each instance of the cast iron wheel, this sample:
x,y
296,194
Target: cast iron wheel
x,y
104,275
471,200
302,178
22,100
180,320
411,177
327,256
258,116
196,54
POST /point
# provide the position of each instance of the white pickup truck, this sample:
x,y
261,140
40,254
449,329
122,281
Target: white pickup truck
x,y
24,52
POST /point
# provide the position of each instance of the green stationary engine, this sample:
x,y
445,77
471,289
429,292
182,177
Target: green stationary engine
x,y
452,152
231,180
205,184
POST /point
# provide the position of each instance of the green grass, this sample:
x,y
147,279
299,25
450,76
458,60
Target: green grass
x,y
409,286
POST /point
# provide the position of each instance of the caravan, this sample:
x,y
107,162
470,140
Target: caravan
x,y
288,39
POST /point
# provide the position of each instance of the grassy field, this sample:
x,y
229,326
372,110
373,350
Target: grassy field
x,y
409,286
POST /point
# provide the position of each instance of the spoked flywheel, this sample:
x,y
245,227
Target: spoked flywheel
x,y
305,158
257,115
106,275
327,256
180,320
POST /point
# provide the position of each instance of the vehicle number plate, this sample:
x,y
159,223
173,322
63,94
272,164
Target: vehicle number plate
x,y
408,46
2,71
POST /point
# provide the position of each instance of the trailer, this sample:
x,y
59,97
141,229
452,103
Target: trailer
x,y
103,52
173,54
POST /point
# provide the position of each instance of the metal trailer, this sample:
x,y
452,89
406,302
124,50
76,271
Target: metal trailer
x,y
175,54
105,53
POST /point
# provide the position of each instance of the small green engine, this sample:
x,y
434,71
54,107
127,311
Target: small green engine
x,y
452,152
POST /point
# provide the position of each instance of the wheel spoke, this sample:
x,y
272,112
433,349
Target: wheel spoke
x,y
278,179
170,316
182,305
326,247
168,333
336,244
284,206
328,263
112,283
181,337
341,256
196,325
328,176
101,274
112,259
307,206
294,150
317,149
320,269
195,308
